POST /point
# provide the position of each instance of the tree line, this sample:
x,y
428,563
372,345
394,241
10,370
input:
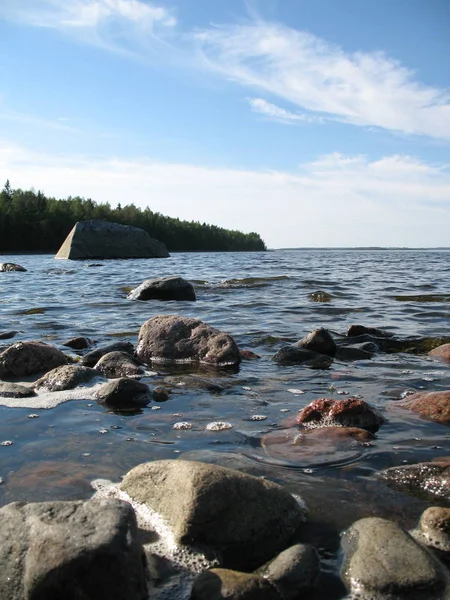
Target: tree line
x,y
30,221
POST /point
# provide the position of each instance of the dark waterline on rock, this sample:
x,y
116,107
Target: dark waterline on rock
x,y
264,300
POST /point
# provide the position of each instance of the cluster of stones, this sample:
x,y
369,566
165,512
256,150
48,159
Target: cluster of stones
x,y
249,529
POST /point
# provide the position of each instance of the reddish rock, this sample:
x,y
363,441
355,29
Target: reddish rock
x,y
441,353
434,406
349,412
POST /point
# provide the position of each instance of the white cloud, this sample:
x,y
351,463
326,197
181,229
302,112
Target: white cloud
x,y
365,89
281,115
334,201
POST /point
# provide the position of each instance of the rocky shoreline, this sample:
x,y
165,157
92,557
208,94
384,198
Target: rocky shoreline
x,y
247,531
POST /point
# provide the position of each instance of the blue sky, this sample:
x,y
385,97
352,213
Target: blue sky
x,y
312,122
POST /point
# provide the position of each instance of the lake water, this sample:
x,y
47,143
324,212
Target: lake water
x,y
264,301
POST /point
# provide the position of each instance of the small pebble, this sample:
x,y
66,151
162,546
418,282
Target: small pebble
x,y
33,416
115,427
103,431
285,410
85,454
156,407
1,480
218,426
246,388
182,425
7,443
295,391
258,418
130,440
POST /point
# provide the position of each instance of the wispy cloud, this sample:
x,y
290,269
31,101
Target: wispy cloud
x,y
365,89
334,201
281,115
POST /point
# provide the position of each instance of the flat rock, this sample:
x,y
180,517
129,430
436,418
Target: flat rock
x,y
172,338
348,412
28,358
91,358
362,351
119,364
434,406
124,393
7,335
355,330
442,353
65,378
383,561
246,518
164,288
14,390
104,240
8,267
428,479
293,354
71,550
225,584
320,340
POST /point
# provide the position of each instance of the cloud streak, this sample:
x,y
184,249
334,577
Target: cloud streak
x,y
333,201
280,115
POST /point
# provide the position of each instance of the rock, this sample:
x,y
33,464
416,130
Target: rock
x,y
119,364
355,330
101,239
78,343
65,378
4,267
160,394
224,584
246,518
172,338
349,412
362,351
73,550
293,571
294,355
383,561
434,529
124,394
248,355
27,358
441,353
14,390
319,340
91,358
320,296
430,479
6,335
164,288
434,406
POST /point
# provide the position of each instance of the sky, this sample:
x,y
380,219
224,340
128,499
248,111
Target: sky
x,y
316,123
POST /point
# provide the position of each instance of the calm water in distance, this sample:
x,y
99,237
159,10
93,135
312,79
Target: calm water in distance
x,y
263,300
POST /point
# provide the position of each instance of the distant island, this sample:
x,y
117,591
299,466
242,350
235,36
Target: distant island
x,y
30,221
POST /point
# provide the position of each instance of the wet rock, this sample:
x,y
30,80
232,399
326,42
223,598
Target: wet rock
x,y
292,354
293,571
248,355
172,338
430,479
5,267
320,296
78,343
72,550
164,288
355,330
119,364
246,518
441,353
194,382
362,351
7,335
383,561
104,240
221,584
160,394
91,358
124,394
65,378
319,340
14,390
349,412
27,358
434,406
434,530
337,435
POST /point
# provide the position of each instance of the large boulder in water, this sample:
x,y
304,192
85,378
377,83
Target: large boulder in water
x,y
101,239
172,338
28,358
164,288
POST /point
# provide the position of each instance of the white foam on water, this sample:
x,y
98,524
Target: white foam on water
x,y
52,399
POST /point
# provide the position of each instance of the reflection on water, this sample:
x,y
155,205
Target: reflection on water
x,y
264,300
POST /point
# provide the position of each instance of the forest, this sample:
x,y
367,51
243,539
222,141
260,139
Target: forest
x,y
32,222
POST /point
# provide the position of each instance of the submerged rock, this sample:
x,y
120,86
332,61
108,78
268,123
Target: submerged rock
x,y
434,406
383,561
91,358
224,584
362,351
246,518
72,550
349,412
119,364
172,338
429,479
5,267
28,358
65,378
355,330
7,335
164,288
124,394
78,343
104,240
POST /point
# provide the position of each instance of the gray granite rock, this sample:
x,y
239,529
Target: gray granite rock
x,y
72,550
14,390
224,584
28,358
119,364
383,561
78,343
91,358
8,267
124,394
246,518
65,378
320,340
434,529
164,288
428,479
